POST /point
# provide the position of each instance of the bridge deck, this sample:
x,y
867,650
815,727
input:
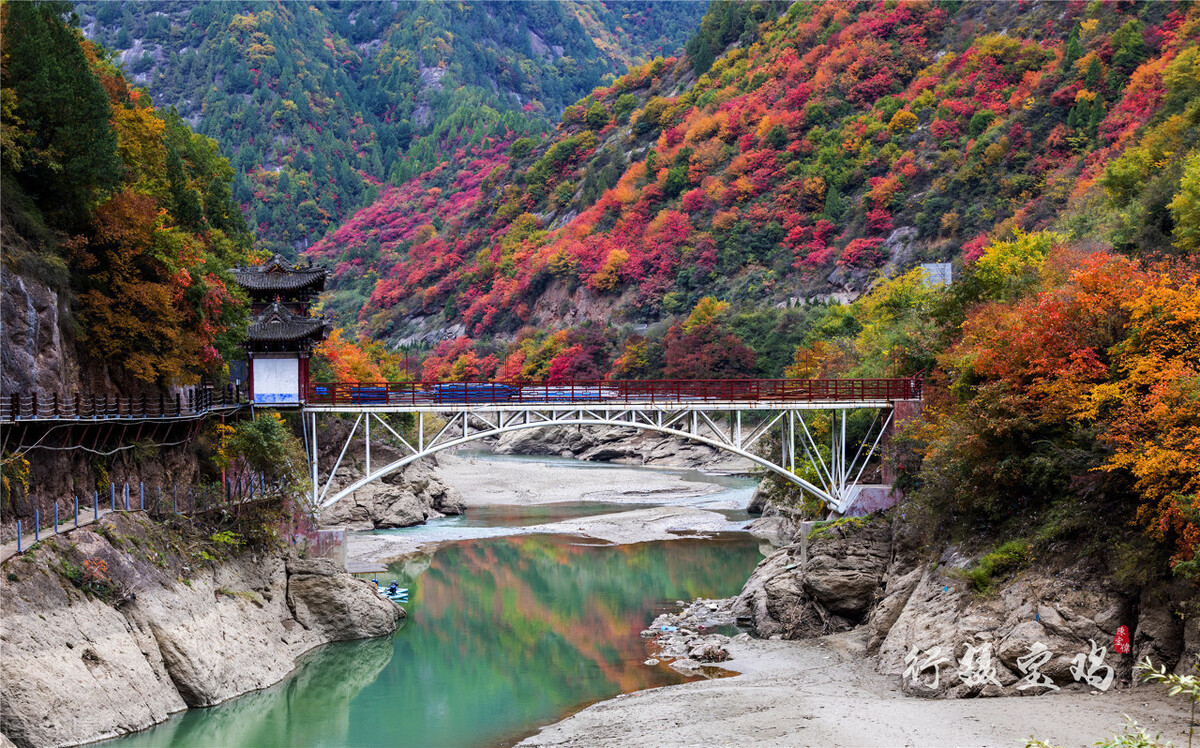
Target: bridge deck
x,y
713,394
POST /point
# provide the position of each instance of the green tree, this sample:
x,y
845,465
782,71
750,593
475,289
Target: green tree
x,y
72,150
1185,208
596,117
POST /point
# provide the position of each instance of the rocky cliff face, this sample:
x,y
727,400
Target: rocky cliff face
x,y
871,573
83,662
38,355
32,354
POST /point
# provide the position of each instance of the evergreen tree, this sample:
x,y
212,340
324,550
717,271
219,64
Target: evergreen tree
x,y
73,150
1092,78
1096,117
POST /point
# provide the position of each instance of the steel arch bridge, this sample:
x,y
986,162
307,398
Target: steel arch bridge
x,y
731,415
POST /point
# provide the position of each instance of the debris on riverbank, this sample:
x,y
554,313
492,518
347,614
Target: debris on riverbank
x,y
688,640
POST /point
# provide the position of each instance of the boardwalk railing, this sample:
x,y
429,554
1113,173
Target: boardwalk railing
x,y
663,391
75,407
235,493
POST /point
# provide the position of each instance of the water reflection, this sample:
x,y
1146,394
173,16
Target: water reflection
x,y
504,635
309,708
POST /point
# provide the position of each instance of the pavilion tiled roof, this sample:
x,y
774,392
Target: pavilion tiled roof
x,y
276,324
279,275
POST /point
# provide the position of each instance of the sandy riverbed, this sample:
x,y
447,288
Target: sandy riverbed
x,y
523,481
826,693
485,480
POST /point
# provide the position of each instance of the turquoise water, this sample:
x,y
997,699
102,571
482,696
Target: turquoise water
x,y
504,635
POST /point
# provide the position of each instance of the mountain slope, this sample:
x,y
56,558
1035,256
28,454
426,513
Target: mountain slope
x,y
318,103
838,142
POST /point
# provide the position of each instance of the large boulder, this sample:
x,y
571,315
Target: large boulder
x,y
1064,611
826,582
323,597
407,497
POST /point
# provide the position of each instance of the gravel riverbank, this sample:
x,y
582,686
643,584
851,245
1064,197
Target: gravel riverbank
x,y
825,692
485,481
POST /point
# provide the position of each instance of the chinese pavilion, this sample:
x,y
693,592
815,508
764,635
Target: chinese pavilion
x,y
281,333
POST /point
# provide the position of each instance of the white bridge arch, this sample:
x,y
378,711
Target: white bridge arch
x,y
719,425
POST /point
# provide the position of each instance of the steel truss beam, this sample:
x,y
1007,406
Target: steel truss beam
x,y
834,484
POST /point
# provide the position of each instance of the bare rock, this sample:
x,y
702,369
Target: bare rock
x,y
1159,634
1189,661
777,529
341,607
885,615
846,568
687,667
33,357
709,652
1063,610
174,637
830,585
404,498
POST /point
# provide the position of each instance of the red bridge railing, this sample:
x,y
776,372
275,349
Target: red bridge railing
x,y
613,392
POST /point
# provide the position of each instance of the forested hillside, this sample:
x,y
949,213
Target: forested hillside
x,y
117,205
833,143
318,104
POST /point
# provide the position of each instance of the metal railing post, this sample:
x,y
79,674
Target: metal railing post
x,y
37,525
112,493
126,496
76,510
56,516
96,504
175,497
18,536
141,496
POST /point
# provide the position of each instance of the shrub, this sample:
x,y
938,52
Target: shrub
x,y
1005,559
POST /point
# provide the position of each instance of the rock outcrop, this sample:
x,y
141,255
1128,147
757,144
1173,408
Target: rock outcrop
x,y
33,357
169,631
611,444
870,573
819,585
406,497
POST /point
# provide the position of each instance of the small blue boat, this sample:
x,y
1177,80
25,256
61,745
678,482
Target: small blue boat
x,y
392,592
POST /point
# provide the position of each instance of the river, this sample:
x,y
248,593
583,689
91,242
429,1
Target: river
x,y
506,633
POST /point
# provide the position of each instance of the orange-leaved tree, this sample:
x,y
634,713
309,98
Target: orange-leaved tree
x,y
1151,408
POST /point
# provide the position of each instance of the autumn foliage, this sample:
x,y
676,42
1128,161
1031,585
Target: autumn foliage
x,y
140,211
834,134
